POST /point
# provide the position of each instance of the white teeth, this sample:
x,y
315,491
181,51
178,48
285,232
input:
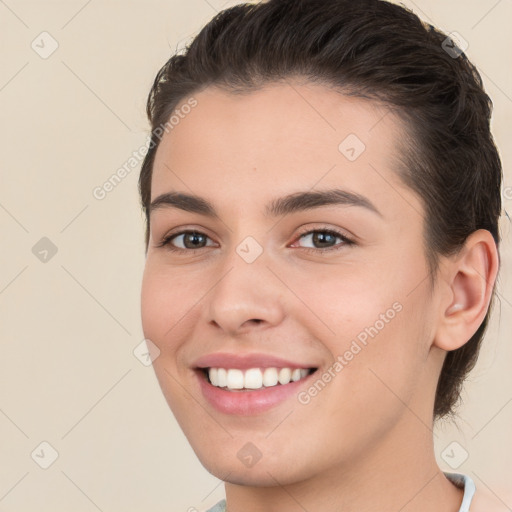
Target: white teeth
x,y
214,376
235,379
285,374
222,377
254,378
270,377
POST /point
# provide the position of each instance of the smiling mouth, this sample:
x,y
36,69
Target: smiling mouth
x,y
252,379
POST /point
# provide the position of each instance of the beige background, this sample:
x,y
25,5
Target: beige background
x,y
69,325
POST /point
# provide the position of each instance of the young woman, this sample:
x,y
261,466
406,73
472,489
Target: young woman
x,y
322,195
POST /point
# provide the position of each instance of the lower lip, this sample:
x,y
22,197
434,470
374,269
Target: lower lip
x,y
245,403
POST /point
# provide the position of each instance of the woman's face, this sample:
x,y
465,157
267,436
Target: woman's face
x,y
270,281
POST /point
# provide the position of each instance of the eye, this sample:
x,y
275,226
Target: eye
x,y
325,240
184,241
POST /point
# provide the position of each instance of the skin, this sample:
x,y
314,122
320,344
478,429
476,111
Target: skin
x,y
365,442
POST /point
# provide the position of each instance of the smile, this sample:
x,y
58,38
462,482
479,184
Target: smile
x,y
254,378
252,383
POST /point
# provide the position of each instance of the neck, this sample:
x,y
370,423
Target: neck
x,y
399,473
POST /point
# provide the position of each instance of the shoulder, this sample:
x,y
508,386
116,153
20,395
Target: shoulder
x,y
484,501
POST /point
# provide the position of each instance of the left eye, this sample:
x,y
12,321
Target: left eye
x,y
324,239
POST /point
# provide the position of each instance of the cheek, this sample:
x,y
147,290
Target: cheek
x,y
154,305
376,329
163,304
359,320
167,299
347,303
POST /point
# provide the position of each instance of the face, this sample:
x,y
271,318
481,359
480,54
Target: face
x,y
268,285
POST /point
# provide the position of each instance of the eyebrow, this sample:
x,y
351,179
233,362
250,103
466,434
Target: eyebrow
x,y
286,205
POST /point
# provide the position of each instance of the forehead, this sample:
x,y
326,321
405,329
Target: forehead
x,y
283,136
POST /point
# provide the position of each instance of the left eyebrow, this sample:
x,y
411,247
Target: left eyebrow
x,y
301,201
286,205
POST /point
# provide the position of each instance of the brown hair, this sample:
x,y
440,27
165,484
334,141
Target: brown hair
x,y
375,50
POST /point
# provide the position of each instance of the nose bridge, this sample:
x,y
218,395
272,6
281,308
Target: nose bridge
x,y
245,290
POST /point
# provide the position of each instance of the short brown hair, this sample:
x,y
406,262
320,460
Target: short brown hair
x,y
383,52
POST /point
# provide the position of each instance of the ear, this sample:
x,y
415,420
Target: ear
x,y
468,279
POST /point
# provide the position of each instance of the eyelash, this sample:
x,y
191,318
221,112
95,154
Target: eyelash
x,y
166,241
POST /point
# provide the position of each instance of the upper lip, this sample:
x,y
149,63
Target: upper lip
x,y
246,361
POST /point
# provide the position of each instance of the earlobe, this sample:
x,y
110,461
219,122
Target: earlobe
x,y
470,277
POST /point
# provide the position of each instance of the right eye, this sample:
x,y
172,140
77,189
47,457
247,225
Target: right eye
x,y
188,241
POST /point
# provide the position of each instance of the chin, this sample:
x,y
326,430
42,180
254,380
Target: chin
x,y
268,471
257,476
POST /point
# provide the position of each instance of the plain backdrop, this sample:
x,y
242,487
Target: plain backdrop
x,y
71,264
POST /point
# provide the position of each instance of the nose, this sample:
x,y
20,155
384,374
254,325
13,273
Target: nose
x,y
247,296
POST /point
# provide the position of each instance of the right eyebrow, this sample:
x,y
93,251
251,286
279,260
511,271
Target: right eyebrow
x,y
186,202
